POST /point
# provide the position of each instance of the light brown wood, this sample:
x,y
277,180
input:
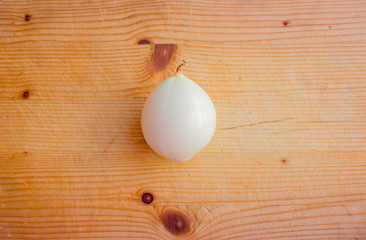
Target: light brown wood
x,y
288,80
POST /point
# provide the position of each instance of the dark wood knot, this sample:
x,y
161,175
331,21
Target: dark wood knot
x,y
25,94
143,41
147,198
175,222
27,17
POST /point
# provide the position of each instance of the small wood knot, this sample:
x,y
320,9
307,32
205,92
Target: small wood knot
x,y
143,41
175,222
329,26
147,198
284,160
285,23
27,17
25,95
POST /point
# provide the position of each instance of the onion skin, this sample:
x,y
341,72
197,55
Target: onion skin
x,y
178,119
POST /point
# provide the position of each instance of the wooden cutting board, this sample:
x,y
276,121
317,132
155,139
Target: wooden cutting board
x,y
288,158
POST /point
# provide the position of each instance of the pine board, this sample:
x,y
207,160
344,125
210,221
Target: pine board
x,y
288,158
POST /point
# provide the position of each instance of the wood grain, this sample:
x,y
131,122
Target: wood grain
x,y
288,80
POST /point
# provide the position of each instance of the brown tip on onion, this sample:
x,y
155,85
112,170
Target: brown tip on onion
x,y
180,66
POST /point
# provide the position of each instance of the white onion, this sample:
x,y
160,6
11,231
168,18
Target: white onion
x,y
178,119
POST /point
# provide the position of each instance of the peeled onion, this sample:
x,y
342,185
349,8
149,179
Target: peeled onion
x,y
178,119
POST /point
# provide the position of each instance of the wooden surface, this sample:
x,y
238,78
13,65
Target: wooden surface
x,y
288,80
